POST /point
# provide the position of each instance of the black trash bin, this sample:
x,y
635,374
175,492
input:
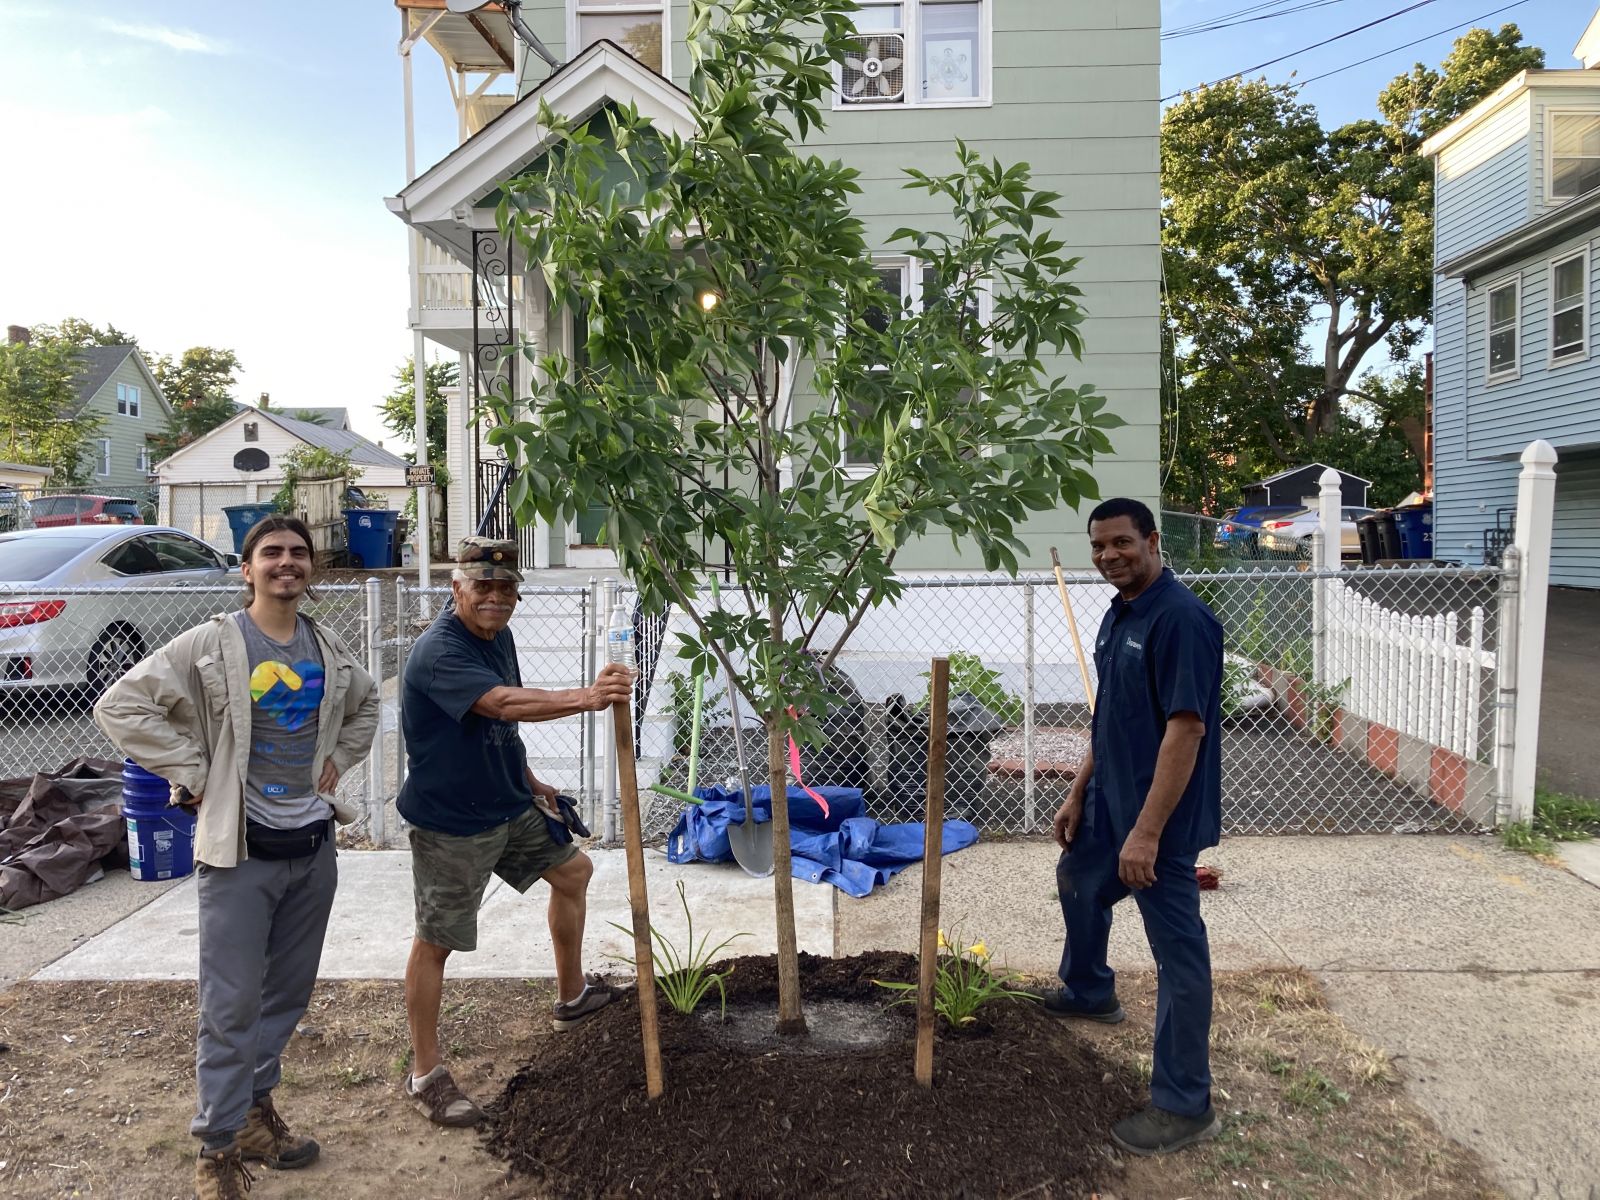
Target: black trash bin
x,y
1371,539
842,759
971,728
1388,535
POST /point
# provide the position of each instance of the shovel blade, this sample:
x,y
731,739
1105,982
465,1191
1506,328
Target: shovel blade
x,y
752,847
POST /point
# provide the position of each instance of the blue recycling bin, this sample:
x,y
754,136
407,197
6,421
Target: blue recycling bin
x,y
372,536
242,519
1415,526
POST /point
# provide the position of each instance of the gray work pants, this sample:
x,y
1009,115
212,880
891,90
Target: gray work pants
x,y
261,930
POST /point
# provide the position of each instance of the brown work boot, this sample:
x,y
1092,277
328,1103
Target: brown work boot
x,y
220,1175
440,1100
266,1139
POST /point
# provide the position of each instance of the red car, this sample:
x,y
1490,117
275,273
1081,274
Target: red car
x,y
51,511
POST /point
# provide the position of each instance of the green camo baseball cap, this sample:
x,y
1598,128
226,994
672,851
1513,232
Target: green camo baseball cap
x,y
488,558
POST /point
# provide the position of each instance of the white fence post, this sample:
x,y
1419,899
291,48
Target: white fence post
x,y
608,601
1326,545
1536,501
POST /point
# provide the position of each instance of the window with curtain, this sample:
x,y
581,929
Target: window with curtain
x,y
1574,154
1502,330
916,52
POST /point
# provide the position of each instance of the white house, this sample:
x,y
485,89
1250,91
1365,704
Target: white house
x,y
240,462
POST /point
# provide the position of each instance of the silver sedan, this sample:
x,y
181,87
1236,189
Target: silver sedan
x,y
81,604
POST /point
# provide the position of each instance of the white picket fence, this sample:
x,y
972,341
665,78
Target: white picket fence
x,y
1421,675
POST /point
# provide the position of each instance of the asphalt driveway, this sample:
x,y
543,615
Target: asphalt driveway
x,y
1569,714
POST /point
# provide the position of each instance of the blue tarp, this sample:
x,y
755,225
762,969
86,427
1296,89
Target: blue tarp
x,y
845,847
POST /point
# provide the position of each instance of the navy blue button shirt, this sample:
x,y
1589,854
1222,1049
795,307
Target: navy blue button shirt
x,y
1157,655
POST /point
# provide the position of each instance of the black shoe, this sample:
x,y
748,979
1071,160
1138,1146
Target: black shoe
x,y
1059,1002
1157,1131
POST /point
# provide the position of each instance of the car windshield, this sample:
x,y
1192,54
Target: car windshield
x,y
25,559
122,508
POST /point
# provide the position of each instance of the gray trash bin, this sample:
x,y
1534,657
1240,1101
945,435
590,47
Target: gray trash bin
x,y
971,728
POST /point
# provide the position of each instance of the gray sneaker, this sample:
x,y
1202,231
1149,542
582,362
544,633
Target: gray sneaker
x,y
1157,1131
575,1012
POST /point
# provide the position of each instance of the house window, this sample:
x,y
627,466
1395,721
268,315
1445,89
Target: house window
x,y
103,464
141,459
638,26
909,288
915,52
1568,299
1504,310
127,400
252,431
1574,154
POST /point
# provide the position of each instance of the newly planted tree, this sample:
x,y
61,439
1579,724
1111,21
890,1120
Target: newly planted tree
x,y
749,398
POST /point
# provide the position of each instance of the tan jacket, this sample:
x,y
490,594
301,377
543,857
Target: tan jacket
x,y
184,714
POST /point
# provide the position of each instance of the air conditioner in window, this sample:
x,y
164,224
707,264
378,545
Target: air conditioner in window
x,y
875,70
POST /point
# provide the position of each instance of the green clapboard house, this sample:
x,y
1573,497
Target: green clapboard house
x,y
116,385
1069,88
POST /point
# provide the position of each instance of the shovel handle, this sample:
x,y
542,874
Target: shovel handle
x,y
638,897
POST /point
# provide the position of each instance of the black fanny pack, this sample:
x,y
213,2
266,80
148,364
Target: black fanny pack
x,y
272,845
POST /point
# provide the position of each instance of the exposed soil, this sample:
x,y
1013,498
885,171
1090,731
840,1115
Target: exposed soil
x,y
97,1087
1023,1106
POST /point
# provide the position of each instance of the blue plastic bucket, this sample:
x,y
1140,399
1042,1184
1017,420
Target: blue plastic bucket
x,y
160,836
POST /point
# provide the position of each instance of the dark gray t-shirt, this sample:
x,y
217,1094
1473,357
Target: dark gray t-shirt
x,y
286,680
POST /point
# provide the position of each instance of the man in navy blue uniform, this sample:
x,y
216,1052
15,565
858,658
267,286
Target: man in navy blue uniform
x,y
1147,800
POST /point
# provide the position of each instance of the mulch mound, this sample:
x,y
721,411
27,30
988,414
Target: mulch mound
x,y
1020,1106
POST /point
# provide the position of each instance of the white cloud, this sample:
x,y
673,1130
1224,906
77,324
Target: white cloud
x,y
183,40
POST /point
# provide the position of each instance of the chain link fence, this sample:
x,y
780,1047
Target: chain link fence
x,y
1358,701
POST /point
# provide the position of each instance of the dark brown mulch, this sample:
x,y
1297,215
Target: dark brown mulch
x,y
1023,1107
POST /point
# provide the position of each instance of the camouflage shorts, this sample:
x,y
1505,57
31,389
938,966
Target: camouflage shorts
x,y
449,873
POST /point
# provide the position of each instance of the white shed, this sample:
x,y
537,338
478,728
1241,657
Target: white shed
x,y
239,462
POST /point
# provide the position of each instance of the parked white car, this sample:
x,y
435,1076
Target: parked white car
x,y
1286,532
69,614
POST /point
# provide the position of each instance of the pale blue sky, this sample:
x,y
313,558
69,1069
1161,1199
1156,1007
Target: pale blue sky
x,y
214,173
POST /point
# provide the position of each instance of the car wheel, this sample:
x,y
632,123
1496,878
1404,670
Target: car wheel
x,y
117,652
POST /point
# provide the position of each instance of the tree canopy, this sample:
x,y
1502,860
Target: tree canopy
x,y
398,409
199,385
1292,254
40,419
748,392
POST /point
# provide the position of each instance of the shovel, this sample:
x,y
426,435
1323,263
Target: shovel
x,y
751,843
687,796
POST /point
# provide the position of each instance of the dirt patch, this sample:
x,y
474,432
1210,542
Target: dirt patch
x,y
97,1087
1024,1107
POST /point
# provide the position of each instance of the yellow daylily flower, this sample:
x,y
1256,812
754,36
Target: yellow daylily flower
x,y
979,950
943,945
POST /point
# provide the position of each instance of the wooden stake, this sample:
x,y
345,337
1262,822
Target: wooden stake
x,y
1072,626
638,897
932,854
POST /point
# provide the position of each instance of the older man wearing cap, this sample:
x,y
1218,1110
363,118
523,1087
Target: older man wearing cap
x,y
476,809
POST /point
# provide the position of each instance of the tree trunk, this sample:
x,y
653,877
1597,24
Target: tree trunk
x,y
791,1015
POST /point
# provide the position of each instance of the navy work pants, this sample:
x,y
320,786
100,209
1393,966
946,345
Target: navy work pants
x,y
1087,879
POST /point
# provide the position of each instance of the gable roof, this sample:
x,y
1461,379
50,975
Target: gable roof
x,y
340,441
1284,474
337,418
99,364
438,201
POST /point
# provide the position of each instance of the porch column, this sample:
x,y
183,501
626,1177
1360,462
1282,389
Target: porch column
x,y
538,327
463,516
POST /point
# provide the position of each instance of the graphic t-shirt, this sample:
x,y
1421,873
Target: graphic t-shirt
x,y
467,773
286,680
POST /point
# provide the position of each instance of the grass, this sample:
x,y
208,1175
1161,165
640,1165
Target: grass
x,y
1557,817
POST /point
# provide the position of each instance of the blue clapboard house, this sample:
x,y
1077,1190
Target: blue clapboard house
x,y
1517,227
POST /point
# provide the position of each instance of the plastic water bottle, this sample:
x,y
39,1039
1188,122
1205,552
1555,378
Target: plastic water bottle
x,y
619,639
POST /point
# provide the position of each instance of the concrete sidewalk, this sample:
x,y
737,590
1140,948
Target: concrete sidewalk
x,y
1473,967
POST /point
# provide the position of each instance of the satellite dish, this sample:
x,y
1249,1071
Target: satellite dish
x,y
513,11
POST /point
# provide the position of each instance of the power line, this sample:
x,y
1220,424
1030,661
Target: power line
x,y
1396,49
1244,17
1314,45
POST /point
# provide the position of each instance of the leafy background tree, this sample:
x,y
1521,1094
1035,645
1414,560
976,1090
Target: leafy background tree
x,y
39,419
723,421
399,412
1293,254
199,385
